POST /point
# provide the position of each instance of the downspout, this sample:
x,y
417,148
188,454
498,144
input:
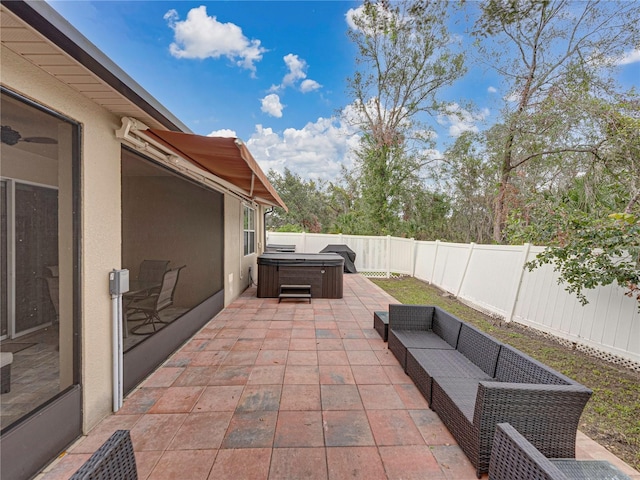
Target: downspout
x,y
264,227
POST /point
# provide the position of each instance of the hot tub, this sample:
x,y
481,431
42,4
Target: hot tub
x,y
323,271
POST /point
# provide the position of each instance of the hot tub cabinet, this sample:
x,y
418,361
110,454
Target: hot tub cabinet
x,y
323,271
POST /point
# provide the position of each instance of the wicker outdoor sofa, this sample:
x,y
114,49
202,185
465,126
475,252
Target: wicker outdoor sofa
x,y
473,382
514,458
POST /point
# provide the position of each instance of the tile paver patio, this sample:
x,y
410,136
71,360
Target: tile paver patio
x,y
287,390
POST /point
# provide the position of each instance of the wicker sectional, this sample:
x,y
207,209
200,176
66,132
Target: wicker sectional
x,y
473,382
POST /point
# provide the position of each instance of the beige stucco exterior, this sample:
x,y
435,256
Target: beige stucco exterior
x,y
236,264
100,234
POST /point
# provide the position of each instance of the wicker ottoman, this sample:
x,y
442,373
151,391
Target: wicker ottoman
x,y
6,359
381,324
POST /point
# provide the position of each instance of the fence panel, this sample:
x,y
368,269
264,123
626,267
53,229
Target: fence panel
x,y
401,255
609,322
492,277
371,252
425,259
450,265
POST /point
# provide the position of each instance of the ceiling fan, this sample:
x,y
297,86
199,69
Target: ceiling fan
x,y
11,137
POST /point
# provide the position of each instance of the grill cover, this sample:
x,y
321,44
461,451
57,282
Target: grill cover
x,y
345,252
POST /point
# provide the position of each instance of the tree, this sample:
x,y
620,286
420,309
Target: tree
x,y
307,202
557,51
404,59
468,174
592,252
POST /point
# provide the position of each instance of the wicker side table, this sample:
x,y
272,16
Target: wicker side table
x,y
381,324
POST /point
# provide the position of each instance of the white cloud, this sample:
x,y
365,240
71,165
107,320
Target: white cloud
x,y
630,57
271,105
225,132
309,85
297,70
460,120
492,90
201,36
315,151
297,67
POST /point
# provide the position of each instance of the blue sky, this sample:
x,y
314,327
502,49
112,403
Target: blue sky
x,y
272,73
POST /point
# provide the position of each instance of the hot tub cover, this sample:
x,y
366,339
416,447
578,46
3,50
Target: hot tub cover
x,y
301,259
344,251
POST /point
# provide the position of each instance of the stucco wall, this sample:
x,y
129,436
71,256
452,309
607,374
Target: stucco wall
x,y
100,217
236,264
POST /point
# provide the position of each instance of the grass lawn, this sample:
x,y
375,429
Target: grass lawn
x,y
612,415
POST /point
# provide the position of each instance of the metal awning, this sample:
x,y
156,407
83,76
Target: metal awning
x,y
226,158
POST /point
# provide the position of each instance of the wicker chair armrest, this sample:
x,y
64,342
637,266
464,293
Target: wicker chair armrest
x,y
410,317
547,415
531,399
513,457
114,460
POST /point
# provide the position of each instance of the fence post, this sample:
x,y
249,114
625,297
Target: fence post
x,y
435,260
388,256
466,267
304,242
413,257
525,254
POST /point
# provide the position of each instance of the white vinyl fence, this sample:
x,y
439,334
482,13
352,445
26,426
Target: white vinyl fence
x,y
492,278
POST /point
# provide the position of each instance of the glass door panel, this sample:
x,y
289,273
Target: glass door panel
x,y
36,244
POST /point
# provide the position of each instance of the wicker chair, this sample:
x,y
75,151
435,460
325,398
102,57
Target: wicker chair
x,y
114,460
514,458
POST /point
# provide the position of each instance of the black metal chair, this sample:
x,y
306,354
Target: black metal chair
x,y
114,460
151,305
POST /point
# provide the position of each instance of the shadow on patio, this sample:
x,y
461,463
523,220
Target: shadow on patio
x,y
288,391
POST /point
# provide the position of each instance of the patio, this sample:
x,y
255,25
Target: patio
x,y
287,390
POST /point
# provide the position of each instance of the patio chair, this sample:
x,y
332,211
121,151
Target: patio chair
x,y
152,270
149,278
151,305
114,460
513,457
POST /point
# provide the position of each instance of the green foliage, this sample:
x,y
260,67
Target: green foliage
x,y
590,252
306,200
290,228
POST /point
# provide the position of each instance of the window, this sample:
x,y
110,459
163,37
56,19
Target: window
x,y
249,230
